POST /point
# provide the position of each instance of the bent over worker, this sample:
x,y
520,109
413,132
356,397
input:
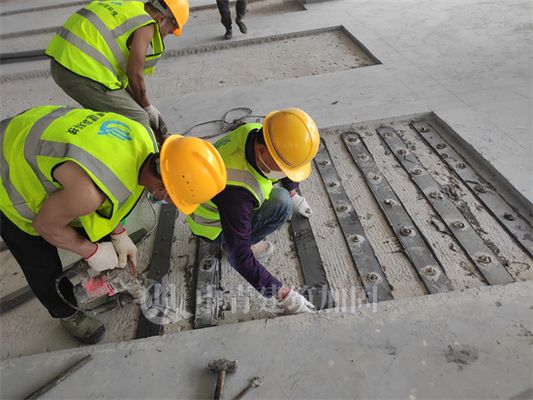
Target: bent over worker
x,y
102,52
63,168
249,208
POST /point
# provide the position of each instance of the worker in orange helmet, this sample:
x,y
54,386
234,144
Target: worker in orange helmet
x,y
250,208
102,52
70,176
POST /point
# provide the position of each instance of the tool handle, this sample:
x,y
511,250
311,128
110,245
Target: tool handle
x,y
219,389
59,378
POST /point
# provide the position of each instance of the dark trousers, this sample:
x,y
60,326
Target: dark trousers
x,y
41,266
225,13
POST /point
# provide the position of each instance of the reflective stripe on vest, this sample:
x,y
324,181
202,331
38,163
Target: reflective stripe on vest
x,y
15,197
111,57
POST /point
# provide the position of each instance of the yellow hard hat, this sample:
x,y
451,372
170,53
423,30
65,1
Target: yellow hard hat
x,y
179,9
292,139
192,170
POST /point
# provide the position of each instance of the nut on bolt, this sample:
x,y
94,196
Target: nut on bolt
x,y
509,217
353,139
458,225
357,238
484,259
407,231
389,202
373,277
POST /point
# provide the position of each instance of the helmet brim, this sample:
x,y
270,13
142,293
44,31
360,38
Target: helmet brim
x,y
297,174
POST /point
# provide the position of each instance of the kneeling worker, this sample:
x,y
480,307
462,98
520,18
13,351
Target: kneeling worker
x,y
64,167
249,208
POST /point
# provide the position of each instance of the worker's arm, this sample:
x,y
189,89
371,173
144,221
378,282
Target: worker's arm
x,y
78,197
235,206
135,69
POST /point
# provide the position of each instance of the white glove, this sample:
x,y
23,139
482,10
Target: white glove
x,y
154,115
105,257
300,205
125,249
295,303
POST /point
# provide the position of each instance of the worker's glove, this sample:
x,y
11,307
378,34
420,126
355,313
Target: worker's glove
x,y
295,303
155,117
300,205
125,249
105,257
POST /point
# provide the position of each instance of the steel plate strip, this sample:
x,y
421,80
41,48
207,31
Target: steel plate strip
x,y
410,237
487,262
317,288
159,267
375,283
516,224
207,285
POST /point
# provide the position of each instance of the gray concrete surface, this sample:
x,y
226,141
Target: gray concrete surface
x,y
470,345
470,63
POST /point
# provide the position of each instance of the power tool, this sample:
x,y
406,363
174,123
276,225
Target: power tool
x,y
99,292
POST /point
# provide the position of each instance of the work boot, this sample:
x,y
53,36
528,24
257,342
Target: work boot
x,y
263,249
85,329
241,25
228,35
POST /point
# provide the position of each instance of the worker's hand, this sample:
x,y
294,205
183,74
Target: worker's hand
x,y
155,117
295,303
125,249
105,257
300,205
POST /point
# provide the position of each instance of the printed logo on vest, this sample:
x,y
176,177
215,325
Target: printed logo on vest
x,y
115,129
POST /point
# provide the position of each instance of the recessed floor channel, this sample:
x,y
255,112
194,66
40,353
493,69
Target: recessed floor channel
x,y
398,212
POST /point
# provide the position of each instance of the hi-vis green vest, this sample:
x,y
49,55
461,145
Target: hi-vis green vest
x,y
205,221
93,41
109,147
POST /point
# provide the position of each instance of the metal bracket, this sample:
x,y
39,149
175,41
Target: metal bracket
x,y
207,299
515,223
493,271
375,283
317,287
159,264
408,234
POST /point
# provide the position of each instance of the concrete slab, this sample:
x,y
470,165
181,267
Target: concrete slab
x,y
474,344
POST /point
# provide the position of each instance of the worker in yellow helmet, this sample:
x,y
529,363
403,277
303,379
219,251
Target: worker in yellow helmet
x,y
69,176
249,208
102,52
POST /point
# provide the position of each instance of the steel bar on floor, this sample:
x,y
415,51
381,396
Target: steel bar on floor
x,y
515,223
376,286
487,263
207,285
316,285
408,234
158,269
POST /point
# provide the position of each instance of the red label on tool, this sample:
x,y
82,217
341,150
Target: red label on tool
x,y
99,286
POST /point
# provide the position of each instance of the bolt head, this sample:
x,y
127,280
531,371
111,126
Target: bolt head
x,y
424,129
389,202
441,146
407,231
484,259
458,224
509,217
323,163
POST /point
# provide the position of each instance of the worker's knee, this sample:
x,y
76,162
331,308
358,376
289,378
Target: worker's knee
x,y
280,200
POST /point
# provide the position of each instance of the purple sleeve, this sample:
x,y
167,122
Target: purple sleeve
x,y
288,184
235,206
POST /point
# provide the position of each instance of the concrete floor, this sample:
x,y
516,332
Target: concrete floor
x,y
469,63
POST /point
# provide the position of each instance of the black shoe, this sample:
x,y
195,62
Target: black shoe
x,y
228,34
241,25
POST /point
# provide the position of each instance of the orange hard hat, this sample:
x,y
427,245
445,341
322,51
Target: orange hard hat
x,y
292,139
178,8
192,170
